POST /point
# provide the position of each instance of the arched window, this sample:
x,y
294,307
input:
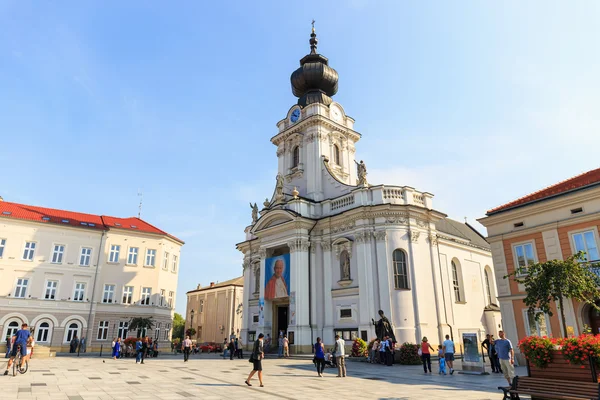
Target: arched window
x,y
400,270
13,327
456,283
336,154
295,157
488,288
345,266
43,332
72,330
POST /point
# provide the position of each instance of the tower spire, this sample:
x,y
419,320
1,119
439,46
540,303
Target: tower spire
x,y
313,39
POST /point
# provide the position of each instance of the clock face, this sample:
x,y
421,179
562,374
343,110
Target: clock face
x,y
336,115
295,115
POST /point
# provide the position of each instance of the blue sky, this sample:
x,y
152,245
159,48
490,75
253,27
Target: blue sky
x,y
476,102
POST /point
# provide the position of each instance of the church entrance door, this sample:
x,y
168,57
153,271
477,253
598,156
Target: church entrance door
x,y
282,319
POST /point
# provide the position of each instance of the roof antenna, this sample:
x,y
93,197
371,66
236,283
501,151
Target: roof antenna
x,y
141,196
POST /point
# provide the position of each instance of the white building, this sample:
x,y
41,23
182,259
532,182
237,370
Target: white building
x,y
67,273
355,248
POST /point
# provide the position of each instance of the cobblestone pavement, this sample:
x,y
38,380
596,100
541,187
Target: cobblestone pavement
x,y
210,377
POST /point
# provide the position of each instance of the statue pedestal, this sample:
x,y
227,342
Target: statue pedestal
x,y
345,282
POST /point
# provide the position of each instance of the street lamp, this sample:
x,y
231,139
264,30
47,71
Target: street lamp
x,y
192,319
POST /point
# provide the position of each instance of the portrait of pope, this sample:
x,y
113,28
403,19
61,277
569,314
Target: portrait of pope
x,y
276,286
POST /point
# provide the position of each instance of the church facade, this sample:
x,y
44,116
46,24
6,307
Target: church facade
x,y
329,250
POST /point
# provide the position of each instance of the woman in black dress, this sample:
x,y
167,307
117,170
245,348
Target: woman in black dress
x,y
256,359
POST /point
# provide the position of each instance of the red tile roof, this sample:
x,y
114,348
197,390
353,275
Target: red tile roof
x,y
75,219
577,182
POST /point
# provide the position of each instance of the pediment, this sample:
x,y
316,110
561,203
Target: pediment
x,y
273,218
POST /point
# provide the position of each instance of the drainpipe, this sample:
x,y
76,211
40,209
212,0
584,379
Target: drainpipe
x,y
89,320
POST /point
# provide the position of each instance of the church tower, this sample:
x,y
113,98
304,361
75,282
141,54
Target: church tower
x,y
316,135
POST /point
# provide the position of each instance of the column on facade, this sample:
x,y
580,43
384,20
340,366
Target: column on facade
x,y
327,298
313,290
438,288
299,307
414,258
265,322
247,265
383,274
365,283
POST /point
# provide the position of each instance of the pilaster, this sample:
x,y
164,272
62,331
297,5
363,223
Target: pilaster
x,y
266,315
365,282
327,285
383,274
299,307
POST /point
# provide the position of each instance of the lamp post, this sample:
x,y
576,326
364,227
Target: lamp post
x,y
191,319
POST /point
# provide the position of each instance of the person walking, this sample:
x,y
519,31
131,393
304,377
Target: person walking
x,y
240,349
441,360
426,355
389,352
231,348
319,357
144,348
116,349
286,347
382,350
82,344
73,344
138,350
258,353
187,346
494,357
506,354
448,347
340,354
486,344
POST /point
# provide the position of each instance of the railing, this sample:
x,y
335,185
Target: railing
x,y
393,193
418,199
343,202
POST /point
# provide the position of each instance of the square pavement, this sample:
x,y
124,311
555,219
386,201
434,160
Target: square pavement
x,y
211,377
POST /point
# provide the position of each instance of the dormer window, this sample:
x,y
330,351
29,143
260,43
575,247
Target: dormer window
x,y
336,154
295,157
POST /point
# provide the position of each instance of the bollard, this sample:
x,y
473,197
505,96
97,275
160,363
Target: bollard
x,y
101,349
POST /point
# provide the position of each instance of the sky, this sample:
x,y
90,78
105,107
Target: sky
x,y
476,102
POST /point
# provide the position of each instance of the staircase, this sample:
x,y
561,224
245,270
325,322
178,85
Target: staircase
x,y
43,352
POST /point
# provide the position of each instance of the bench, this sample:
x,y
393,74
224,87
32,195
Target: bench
x,y
551,389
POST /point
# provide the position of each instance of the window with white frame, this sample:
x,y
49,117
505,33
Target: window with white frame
x,y
29,251
51,287
109,293
539,326
127,295
57,253
458,297
586,242
132,256
157,332
162,297
255,318
146,293
488,288
201,308
295,157
400,270
123,329
85,257
2,245
21,287
174,266
170,301
102,330
12,329
167,331
524,255
79,293
336,154
346,313
43,332
166,261
114,253
72,331
150,257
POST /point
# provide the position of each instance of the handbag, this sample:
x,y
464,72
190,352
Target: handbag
x,y
420,352
251,359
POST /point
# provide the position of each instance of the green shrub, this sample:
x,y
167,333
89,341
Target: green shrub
x,y
409,354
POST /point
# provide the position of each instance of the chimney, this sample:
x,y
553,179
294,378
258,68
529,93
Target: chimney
x,y
1,199
212,284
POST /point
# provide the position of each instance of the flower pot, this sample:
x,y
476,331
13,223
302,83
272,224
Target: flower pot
x,y
560,369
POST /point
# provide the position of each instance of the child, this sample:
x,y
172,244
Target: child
x,y
442,360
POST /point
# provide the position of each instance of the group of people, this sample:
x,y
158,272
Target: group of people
x,y
22,341
234,347
383,351
144,348
445,353
77,345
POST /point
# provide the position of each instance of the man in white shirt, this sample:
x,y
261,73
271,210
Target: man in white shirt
x,y
448,350
340,354
187,346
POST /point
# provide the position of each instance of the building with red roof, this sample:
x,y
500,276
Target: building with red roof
x,y
551,223
70,274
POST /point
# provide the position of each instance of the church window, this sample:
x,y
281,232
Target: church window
x,y
456,284
336,154
400,270
296,157
345,266
346,313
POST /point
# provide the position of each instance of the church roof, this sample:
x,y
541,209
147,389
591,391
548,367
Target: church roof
x,y
464,231
239,281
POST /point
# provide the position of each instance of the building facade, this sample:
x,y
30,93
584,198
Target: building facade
x,y
67,273
215,311
328,250
553,223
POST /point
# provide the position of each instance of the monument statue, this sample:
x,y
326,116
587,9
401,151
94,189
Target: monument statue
x,y
345,267
254,212
279,188
383,327
266,203
361,173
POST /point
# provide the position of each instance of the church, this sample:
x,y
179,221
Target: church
x,y
329,249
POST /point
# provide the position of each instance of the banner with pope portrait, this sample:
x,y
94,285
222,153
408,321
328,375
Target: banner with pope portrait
x,y
277,277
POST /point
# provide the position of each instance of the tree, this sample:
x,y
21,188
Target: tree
x,y
557,280
178,326
141,324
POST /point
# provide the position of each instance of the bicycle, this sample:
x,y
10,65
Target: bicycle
x,y
17,363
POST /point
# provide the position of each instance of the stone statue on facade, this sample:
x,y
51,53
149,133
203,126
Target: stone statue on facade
x,y
361,170
254,212
383,327
345,267
279,188
266,203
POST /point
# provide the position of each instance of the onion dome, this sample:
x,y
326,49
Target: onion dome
x,y
315,81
